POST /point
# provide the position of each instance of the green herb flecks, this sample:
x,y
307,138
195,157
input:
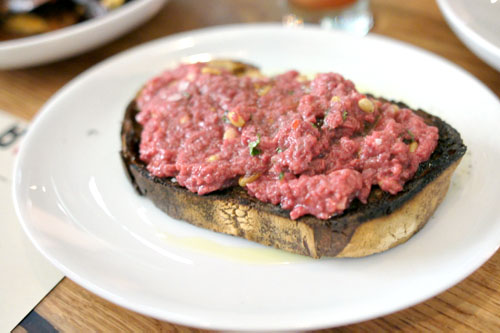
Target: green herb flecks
x,y
279,150
186,94
282,174
318,123
225,118
412,137
344,115
252,145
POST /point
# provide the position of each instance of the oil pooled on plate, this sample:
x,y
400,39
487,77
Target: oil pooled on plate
x,y
258,254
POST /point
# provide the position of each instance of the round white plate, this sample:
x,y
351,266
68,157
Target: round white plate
x,y
477,24
78,38
80,210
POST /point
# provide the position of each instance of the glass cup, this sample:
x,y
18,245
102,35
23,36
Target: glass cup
x,y
348,15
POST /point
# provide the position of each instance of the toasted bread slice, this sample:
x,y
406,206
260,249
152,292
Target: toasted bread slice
x,y
383,222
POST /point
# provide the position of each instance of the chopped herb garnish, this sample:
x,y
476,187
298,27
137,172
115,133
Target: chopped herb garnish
x,y
281,175
253,146
279,150
411,135
319,123
314,125
344,115
225,118
291,92
186,94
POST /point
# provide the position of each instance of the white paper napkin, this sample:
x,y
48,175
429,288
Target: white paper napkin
x,y
25,276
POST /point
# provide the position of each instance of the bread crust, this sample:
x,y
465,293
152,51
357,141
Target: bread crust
x,y
388,231
363,229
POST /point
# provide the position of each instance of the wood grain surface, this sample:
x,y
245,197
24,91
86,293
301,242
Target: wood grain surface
x,y
472,305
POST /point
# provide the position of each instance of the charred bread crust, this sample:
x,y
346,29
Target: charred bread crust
x,y
363,229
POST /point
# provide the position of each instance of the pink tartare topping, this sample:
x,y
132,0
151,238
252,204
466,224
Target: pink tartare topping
x,y
310,146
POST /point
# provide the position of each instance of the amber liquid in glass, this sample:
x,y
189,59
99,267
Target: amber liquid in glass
x,y
348,15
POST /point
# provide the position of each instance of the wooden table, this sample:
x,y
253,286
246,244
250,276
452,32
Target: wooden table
x,y
472,305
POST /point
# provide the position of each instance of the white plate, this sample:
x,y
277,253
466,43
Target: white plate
x,y
477,24
78,38
80,210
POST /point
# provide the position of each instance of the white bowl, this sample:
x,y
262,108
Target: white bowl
x,y
78,38
477,24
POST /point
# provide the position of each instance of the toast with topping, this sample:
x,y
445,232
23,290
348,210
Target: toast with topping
x,y
382,221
